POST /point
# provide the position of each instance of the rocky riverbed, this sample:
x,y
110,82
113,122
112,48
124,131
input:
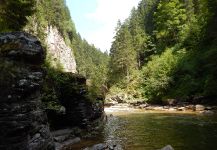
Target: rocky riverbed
x,y
129,127
185,108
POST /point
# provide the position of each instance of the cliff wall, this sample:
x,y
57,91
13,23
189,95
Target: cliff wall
x,y
23,122
58,53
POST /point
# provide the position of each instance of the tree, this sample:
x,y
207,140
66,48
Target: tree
x,y
123,56
158,75
170,19
138,36
14,13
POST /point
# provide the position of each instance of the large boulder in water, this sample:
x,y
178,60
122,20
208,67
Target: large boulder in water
x,y
23,122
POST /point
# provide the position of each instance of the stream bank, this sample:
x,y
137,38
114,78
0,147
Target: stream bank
x,y
105,137
143,107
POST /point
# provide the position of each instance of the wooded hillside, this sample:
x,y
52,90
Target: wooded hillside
x,y
166,49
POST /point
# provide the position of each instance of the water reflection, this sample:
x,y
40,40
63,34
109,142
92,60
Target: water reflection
x,y
152,131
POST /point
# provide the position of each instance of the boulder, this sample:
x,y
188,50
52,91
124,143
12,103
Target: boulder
x,y
100,146
60,146
209,108
190,107
172,109
181,108
142,106
23,122
208,112
168,147
61,138
62,132
199,108
103,146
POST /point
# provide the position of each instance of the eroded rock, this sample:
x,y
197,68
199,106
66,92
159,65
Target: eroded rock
x,y
58,52
23,122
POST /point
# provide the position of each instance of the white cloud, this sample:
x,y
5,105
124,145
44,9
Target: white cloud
x,y
107,14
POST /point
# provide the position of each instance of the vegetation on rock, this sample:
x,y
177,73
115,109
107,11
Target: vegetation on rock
x,y
165,49
36,17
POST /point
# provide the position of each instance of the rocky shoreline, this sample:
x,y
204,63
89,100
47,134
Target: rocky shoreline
x,y
185,108
64,139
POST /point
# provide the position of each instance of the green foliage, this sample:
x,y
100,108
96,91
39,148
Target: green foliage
x,y
175,46
145,12
52,13
14,13
92,64
165,49
61,88
158,74
49,97
131,49
123,56
170,20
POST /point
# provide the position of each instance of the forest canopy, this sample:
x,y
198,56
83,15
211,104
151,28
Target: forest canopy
x,y
166,49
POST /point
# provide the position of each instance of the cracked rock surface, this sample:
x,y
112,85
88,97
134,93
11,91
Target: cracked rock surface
x,y
23,122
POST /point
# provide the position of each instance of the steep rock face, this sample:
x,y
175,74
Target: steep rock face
x,y
73,95
59,53
23,123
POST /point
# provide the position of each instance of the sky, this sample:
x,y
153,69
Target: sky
x,y
96,20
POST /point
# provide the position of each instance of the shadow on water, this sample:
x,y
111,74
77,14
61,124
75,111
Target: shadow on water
x,y
151,131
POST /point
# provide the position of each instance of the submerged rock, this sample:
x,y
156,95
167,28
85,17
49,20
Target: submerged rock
x,y
168,147
103,146
65,144
23,122
100,146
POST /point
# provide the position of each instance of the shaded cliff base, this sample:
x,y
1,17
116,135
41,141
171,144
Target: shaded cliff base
x,y
23,121
68,102
72,112
30,89
72,138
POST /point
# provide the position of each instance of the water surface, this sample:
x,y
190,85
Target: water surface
x,y
151,131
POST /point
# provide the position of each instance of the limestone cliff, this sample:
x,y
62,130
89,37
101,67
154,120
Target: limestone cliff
x,y
60,55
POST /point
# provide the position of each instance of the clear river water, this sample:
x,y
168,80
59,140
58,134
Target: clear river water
x,y
152,131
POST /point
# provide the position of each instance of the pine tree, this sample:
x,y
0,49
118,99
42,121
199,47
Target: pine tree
x,y
14,13
138,36
123,56
170,19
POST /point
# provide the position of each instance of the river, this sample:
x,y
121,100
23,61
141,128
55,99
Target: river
x,y
152,131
